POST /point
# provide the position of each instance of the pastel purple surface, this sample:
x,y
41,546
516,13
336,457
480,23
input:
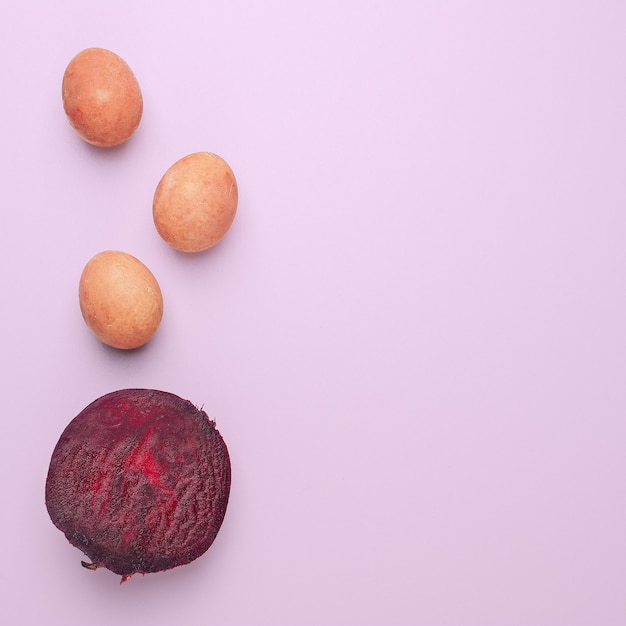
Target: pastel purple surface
x,y
413,338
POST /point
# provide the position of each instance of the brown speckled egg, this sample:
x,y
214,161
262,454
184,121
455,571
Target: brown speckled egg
x,y
101,97
120,300
195,202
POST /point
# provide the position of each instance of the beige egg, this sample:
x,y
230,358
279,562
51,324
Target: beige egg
x,y
120,300
101,97
195,202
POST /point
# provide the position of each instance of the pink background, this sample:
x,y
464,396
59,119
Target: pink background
x,y
413,338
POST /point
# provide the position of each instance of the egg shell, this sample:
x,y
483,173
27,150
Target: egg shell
x,y
120,300
101,97
195,202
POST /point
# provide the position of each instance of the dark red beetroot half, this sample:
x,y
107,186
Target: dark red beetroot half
x,y
139,482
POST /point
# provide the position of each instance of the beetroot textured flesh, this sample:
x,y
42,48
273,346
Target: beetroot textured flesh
x,y
139,482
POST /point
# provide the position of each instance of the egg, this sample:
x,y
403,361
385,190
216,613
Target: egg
x,y
120,300
195,202
101,97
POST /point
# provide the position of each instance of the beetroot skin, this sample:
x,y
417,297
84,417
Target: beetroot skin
x,y
139,482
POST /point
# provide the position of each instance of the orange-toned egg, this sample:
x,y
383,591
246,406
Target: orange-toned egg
x,y
120,300
101,97
195,202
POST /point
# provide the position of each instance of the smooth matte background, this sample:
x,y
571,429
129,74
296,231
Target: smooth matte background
x,y
413,338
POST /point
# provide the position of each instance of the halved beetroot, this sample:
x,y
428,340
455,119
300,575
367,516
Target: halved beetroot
x,y
139,482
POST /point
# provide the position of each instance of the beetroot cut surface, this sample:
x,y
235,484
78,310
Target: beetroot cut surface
x,y
139,482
